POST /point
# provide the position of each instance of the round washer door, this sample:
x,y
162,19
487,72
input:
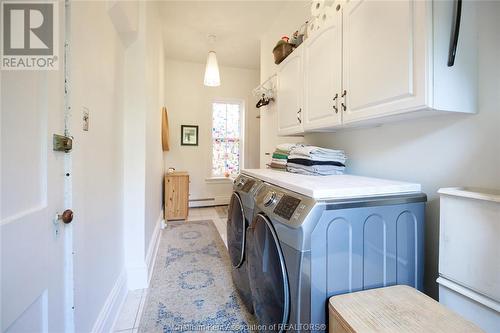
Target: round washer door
x,y
268,277
236,231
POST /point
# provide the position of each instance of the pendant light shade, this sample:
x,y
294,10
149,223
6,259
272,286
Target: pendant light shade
x,y
212,77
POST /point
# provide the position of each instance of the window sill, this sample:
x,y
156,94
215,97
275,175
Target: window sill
x,y
219,180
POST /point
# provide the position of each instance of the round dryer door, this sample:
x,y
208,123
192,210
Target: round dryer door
x,y
236,227
268,277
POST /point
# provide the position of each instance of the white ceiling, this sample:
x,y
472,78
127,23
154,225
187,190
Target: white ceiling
x,y
238,26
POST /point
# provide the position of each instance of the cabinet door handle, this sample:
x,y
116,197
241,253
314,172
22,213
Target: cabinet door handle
x,y
454,37
299,118
344,103
335,108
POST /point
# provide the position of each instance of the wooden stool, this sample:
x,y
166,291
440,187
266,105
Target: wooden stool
x,y
393,309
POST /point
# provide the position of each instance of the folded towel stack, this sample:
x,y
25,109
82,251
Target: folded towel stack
x,y
279,160
311,160
280,155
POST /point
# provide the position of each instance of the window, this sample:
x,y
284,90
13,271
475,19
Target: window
x,y
226,138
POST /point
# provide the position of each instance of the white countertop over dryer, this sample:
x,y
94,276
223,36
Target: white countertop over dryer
x,y
333,187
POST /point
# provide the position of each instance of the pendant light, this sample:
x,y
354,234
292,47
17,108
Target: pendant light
x,y
212,77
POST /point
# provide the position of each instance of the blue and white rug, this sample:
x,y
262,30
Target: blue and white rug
x,y
191,288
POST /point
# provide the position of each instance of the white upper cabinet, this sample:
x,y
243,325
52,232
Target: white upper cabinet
x,y
384,53
290,94
385,61
395,56
323,77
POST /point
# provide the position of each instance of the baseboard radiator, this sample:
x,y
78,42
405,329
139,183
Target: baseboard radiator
x,y
206,202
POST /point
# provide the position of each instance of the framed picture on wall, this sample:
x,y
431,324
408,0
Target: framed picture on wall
x,y
189,135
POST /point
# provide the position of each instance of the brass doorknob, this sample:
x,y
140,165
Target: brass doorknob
x,y
66,216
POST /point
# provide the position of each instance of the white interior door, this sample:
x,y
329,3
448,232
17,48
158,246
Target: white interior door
x,y
323,77
35,294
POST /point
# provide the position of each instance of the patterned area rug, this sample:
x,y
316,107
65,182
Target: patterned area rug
x,y
222,211
191,288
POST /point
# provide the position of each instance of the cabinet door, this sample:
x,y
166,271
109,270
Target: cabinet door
x,y
176,195
172,197
383,58
323,77
289,94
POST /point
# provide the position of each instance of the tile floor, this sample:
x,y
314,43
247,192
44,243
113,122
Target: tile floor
x,y
130,315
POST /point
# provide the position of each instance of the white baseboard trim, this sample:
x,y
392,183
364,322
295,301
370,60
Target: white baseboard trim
x,y
154,243
139,272
109,313
137,276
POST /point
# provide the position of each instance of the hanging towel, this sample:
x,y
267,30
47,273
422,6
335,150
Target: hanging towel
x,y
165,142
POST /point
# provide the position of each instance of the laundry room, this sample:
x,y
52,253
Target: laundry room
x,y
250,166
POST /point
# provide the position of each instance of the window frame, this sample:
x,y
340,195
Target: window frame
x,y
241,103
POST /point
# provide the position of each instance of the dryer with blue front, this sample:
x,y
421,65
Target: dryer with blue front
x,y
315,237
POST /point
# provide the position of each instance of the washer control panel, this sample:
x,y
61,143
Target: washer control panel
x,y
270,198
286,207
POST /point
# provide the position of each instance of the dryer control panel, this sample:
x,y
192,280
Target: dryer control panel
x,y
245,184
248,185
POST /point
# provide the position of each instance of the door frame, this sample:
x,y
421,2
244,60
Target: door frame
x,y
69,290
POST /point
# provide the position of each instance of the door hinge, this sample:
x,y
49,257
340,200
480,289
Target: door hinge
x,y
62,143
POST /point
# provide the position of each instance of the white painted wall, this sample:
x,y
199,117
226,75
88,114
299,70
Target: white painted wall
x,y
97,62
155,96
143,164
116,72
134,150
189,103
453,150
292,16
